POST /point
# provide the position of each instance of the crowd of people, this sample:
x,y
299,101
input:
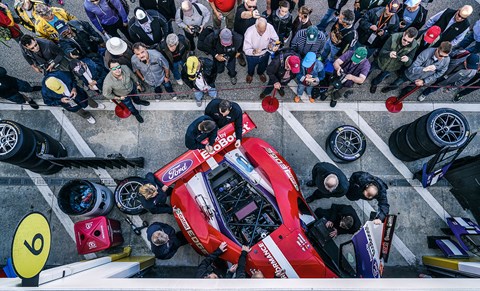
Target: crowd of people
x,y
120,58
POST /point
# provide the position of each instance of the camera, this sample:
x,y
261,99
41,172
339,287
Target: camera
x,y
229,51
195,30
44,66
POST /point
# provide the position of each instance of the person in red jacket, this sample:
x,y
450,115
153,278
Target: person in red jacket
x,y
6,20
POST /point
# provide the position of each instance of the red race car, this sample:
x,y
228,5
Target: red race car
x,y
249,196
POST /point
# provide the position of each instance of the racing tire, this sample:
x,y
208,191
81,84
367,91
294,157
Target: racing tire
x,y
46,145
126,196
330,153
52,169
422,136
403,143
447,127
412,139
17,142
395,149
346,143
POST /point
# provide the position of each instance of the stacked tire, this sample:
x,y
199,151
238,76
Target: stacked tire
x,y
23,147
428,134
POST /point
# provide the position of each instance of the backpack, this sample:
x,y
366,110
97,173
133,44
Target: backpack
x,y
202,45
194,5
124,3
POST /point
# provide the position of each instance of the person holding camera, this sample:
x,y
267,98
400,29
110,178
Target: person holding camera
x,y
311,73
343,36
43,55
192,18
412,14
396,54
166,8
281,70
362,6
333,11
175,48
350,68
199,74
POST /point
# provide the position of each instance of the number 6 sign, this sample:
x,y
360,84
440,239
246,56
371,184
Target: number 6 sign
x,y
31,247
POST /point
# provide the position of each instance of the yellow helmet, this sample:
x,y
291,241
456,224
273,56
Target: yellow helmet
x,y
192,67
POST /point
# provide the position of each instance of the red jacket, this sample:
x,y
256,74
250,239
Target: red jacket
x,y
6,20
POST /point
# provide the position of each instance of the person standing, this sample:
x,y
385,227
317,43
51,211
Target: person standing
x,y
333,11
192,18
148,27
472,37
43,55
206,269
281,70
272,5
343,37
302,20
454,24
311,73
152,68
223,9
10,88
108,16
50,20
119,50
397,54
166,8
282,21
362,6
27,15
175,49
245,17
308,40
341,218
120,83
412,14
199,74
164,241
59,89
258,40
224,112
204,127
154,194
329,180
365,186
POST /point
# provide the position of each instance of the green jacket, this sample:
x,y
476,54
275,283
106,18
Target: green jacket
x,y
394,43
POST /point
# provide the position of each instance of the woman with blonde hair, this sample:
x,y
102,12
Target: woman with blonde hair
x,y
153,195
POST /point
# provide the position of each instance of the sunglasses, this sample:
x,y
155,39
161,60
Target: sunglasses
x,y
407,41
250,7
116,68
460,16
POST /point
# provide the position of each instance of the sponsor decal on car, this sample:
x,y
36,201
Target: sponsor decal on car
x,y
284,167
270,258
177,170
223,140
302,243
179,214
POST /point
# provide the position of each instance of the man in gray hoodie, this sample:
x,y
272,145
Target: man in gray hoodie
x,y
192,18
430,65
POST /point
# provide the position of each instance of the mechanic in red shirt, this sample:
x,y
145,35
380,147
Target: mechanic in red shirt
x,y
223,8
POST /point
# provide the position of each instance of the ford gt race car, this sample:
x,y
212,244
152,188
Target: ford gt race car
x,y
251,196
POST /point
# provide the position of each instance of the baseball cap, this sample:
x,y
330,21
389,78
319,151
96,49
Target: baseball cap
x,y
473,61
432,34
309,59
141,15
411,3
359,55
192,67
55,85
294,63
43,10
226,38
394,6
312,34
60,26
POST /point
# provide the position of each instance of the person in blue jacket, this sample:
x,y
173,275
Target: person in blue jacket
x,y
311,73
200,129
154,195
59,89
108,16
164,241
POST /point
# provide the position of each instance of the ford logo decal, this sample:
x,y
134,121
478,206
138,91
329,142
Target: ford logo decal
x,y
176,170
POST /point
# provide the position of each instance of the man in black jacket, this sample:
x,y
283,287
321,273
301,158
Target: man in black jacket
x,y
200,74
283,68
153,195
368,187
148,27
343,219
200,129
453,24
224,45
224,112
43,55
329,180
78,40
175,49
10,88
166,8
412,14
164,241
333,11
206,269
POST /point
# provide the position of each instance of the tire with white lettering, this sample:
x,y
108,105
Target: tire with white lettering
x,y
17,142
126,196
346,144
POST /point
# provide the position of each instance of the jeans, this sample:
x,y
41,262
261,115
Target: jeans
x,y
303,88
329,51
23,86
177,69
170,26
228,16
167,85
327,18
467,41
230,66
380,77
212,92
128,102
261,61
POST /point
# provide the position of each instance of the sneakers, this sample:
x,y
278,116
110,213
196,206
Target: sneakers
x,y
421,98
281,92
296,99
33,104
143,102
139,118
262,95
373,89
179,82
91,119
312,100
233,80
174,98
457,98
199,103
333,103
101,106
310,183
263,78
249,79
347,94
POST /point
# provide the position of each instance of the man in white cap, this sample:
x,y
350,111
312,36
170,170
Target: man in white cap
x,y
148,27
412,14
119,50
192,18
453,24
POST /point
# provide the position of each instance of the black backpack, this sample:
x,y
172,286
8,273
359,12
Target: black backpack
x,y
125,5
202,44
196,8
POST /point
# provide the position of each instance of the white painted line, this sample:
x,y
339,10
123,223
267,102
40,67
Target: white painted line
x,y
86,151
399,165
310,142
52,200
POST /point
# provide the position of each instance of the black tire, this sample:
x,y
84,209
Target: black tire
x,y
330,153
447,127
17,142
126,196
53,169
35,163
422,136
413,141
394,148
404,146
55,147
347,143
